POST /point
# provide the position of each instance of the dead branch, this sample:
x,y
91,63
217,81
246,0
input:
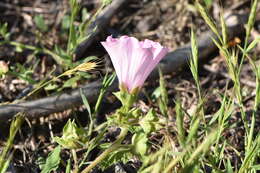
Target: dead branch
x,y
101,21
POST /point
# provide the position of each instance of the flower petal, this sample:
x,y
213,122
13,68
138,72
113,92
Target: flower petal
x,y
133,60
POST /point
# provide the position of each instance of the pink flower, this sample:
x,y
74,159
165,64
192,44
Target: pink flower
x,y
133,60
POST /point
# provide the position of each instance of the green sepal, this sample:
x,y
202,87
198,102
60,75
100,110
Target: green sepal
x,y
126,98
52,161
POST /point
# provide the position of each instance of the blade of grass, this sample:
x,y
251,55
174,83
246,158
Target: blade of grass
x,y
179,123
15,126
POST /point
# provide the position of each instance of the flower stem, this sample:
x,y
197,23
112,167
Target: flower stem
x,y
112,148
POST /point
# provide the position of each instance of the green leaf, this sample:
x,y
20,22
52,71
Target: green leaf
x,y
256,167
219,114
250,155
202,148
65,22
180,123
73,38
253,44
139,142
3,68
73,137
4,31
72,82
149,122
40,162
5,155
106,2
193,130
107,81
58,50
122,154
23,73
85,102
52,161
40,23
68,168
5,165
156,93
208,3
72,28
85,15
19,49
229,166
51,86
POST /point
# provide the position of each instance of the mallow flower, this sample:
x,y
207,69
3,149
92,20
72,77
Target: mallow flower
x,y
133,60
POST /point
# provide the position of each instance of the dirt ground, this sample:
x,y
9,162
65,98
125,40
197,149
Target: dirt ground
x,y
166,21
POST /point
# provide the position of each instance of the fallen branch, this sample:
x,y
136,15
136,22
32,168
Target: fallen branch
x,y
171,63
101,21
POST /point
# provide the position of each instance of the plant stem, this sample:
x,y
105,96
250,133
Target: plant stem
x,y
74,155
112,148
100,97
